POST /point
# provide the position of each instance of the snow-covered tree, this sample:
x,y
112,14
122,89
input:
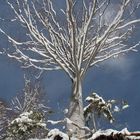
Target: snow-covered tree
x,y
98,107
81,40
25,125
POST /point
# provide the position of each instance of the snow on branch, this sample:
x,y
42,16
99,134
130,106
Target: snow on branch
x,y
68,121
52,48
85,39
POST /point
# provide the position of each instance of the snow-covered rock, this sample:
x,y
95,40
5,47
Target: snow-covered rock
x,y
114,134
54,133
108,132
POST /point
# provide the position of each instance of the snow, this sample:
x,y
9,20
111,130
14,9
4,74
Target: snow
x,y
54,122
66,111
116,109
24,124
133,137
37,139
68,121
94,98
125,106
109,132
24,117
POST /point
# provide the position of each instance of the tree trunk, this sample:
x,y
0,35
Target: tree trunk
x,y
75,113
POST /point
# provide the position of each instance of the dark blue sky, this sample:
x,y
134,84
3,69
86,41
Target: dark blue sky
x,y
119,79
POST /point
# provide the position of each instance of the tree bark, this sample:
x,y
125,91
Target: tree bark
x,y
75,113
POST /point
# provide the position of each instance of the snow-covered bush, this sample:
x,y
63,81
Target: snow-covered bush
x,y
25,125
55,134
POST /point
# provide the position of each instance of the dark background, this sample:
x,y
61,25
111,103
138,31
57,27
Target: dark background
x,y
115,79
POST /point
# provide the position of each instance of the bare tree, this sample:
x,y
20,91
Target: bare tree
x,y
31,99
75,44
